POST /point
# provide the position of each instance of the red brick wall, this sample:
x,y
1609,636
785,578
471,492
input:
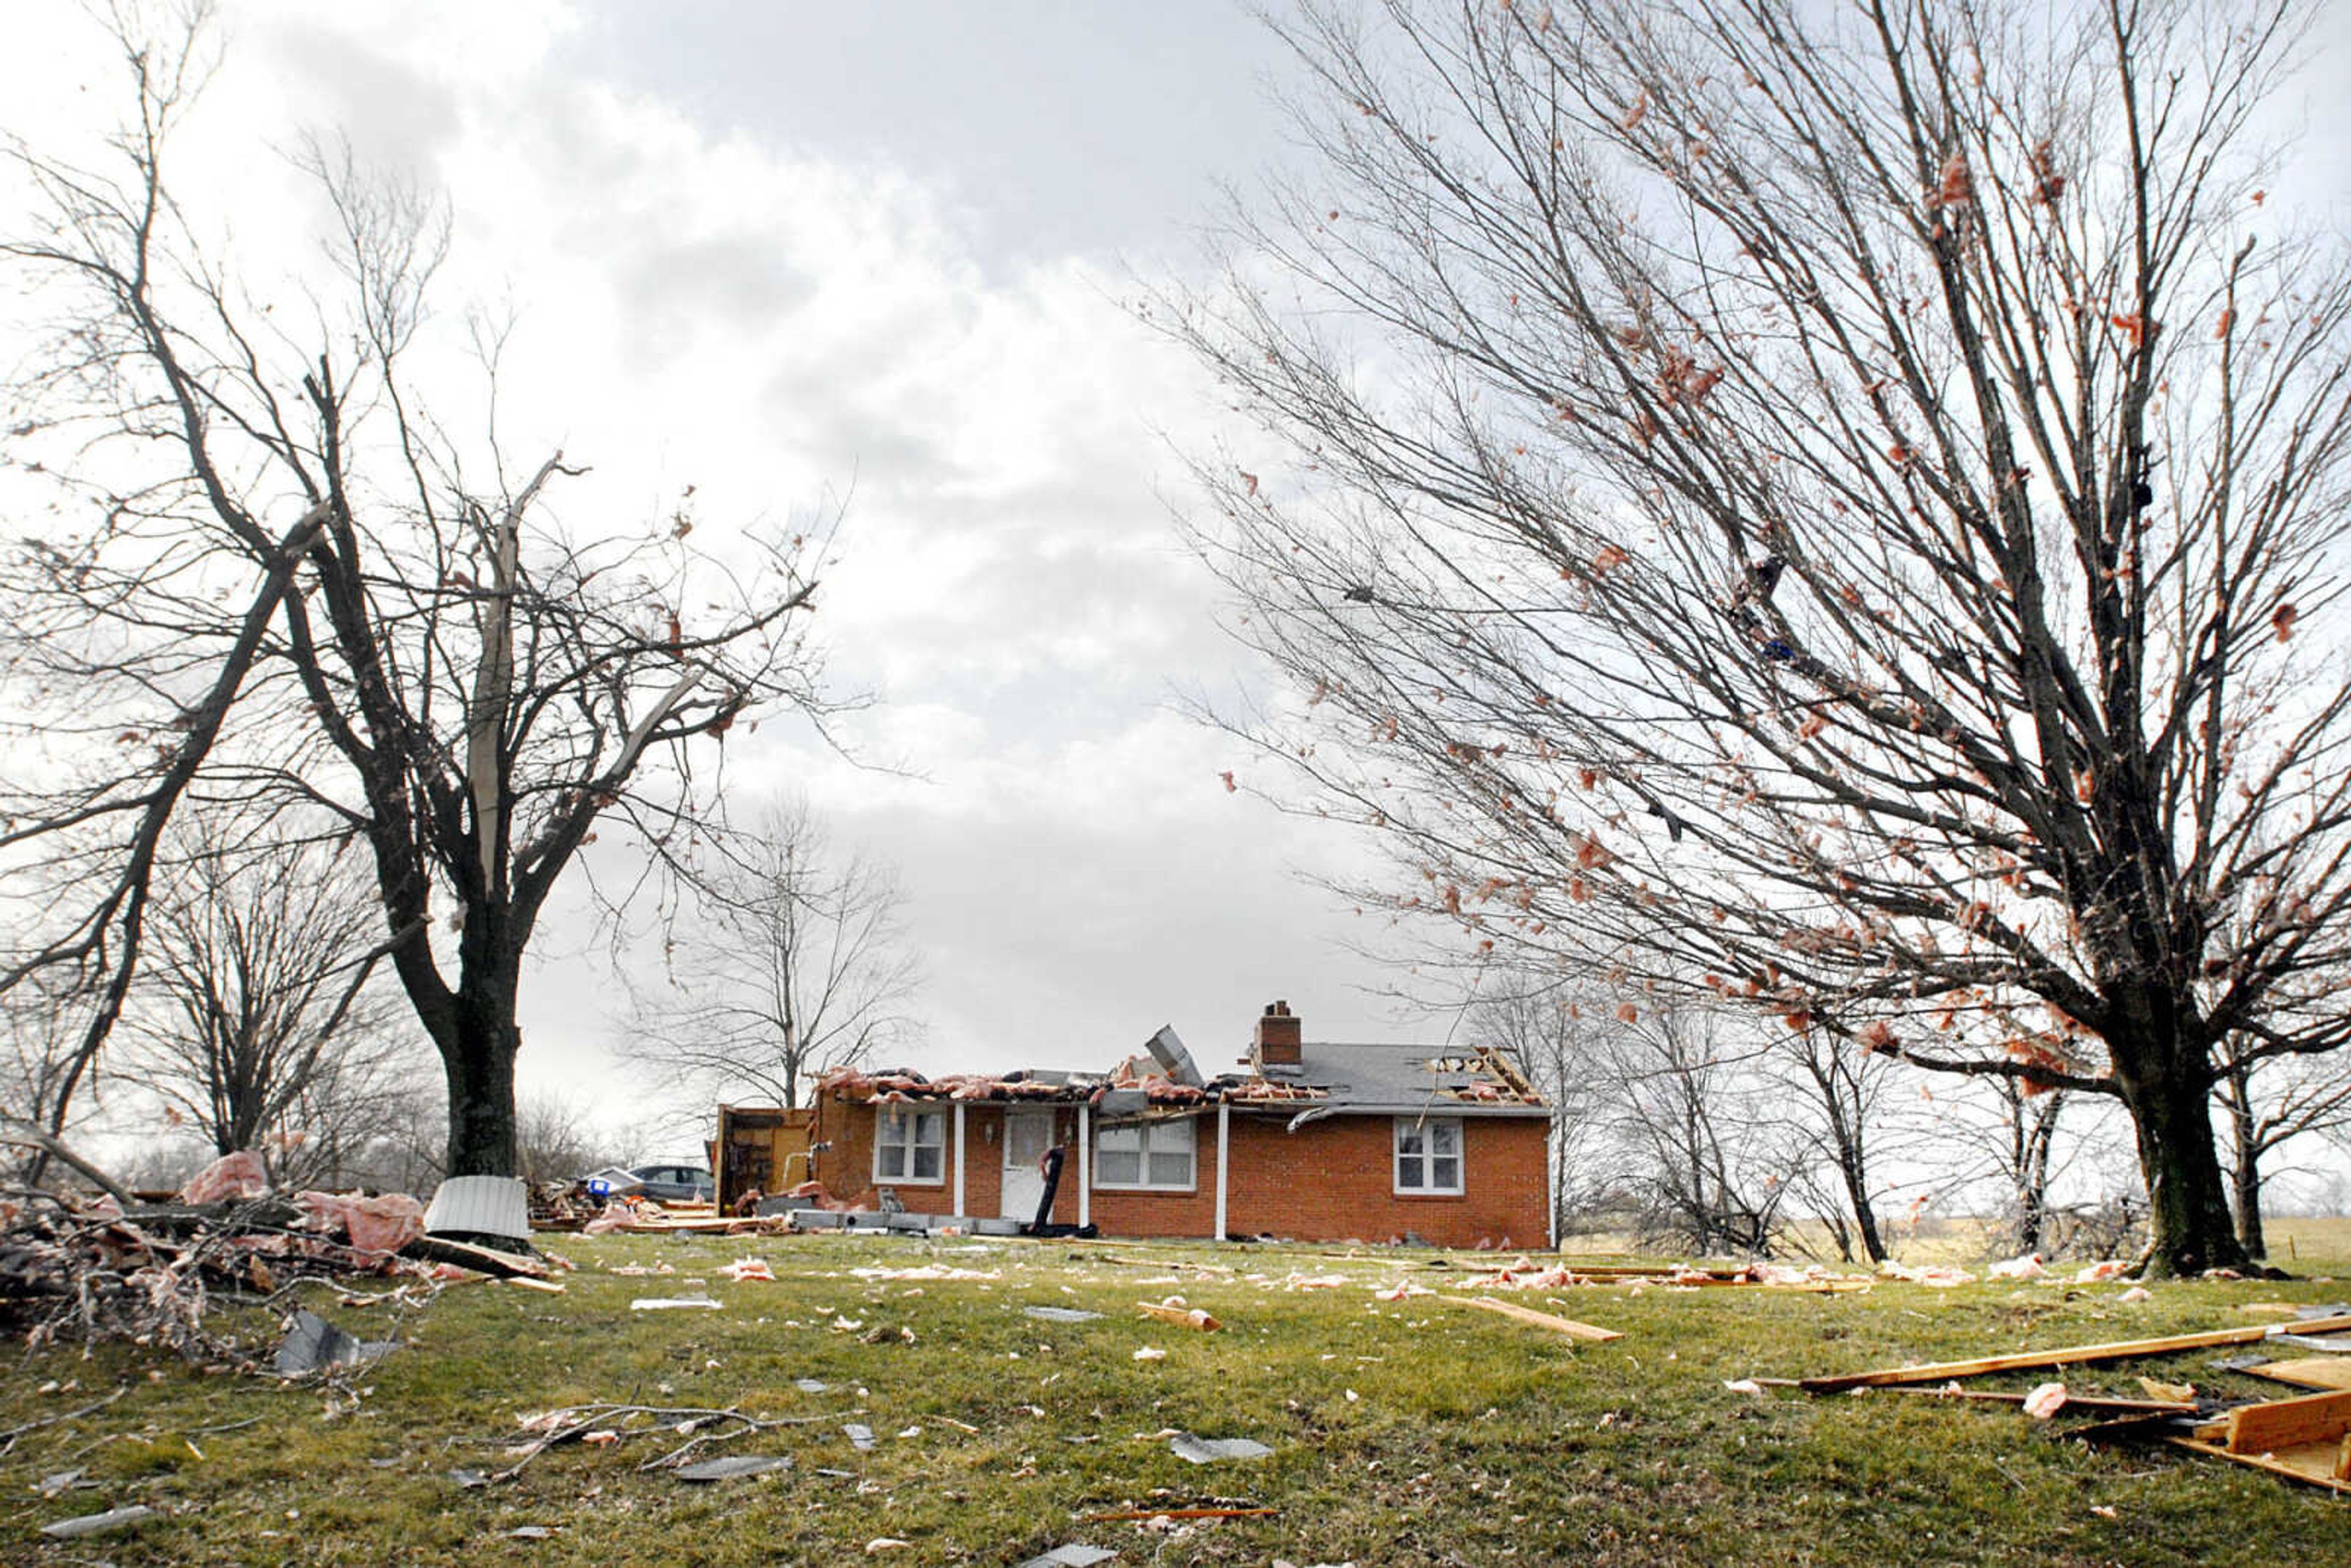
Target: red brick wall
x,y
1332,1180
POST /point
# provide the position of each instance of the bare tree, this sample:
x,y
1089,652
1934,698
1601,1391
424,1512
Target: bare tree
x,y
2266,1102
1824,509
1698,1132
795,962
274,573
254,1020
35,1049
1837,1097
2025,1155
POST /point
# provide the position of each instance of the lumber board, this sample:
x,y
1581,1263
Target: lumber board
x,y
1534,1319
2279,1424
2310,1372
2313,1464
2108,1402
2060,1355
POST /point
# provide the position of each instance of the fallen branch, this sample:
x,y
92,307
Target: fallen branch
x,y
12,1433
1129,1515
16,1130
573,1423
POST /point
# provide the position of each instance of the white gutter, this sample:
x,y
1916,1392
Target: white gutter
x,y
1085,1165
958,1135
1224,1141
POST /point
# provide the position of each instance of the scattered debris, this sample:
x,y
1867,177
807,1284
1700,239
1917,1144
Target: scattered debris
x,y
671,1304
1060,1314
2045,1400
743,1269
861,1436
1070,1556
1938,1276
1209,1450
2306,1438
735,1464
73,1267
530,1533
1173,1310
468,1480
100,1523
314,1344
1150,1352
2063,1355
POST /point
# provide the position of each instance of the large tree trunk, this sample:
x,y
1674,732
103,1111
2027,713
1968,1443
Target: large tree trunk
x,y
2245,1164
2187,1200
479,1063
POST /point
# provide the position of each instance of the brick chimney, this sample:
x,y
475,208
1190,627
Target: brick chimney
x,y
1277,1042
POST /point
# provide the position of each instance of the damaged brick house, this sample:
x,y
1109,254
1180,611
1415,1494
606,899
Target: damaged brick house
x,y
1310,1141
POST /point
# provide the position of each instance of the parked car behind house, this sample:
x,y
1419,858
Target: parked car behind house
x,y
675,1183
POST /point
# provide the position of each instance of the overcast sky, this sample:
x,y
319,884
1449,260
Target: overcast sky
x,y
805,254
795,254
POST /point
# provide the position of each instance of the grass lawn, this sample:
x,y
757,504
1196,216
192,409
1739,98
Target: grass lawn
x,y
1403,1432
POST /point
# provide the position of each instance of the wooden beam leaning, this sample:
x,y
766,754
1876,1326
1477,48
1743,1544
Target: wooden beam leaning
x,y
2063,1355
2281,1424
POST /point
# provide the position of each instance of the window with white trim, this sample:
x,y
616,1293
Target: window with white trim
x,y
1429,1154
1150,1156
909,1144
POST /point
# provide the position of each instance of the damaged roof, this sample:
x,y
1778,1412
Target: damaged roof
x,y
1403,1079
1364,1079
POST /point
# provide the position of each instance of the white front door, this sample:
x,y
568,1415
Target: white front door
x,y
1027,1135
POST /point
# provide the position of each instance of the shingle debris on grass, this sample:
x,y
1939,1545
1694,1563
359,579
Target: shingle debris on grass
x,y
1201,1451
735,1464
1070,1556
113,1518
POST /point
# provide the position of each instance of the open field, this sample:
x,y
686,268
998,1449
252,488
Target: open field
x,y
1411,1431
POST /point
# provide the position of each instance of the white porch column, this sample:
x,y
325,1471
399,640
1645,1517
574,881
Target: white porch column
x,y
1085,1165
1224,1131
958,1137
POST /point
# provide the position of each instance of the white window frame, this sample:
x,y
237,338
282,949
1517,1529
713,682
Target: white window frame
x,y
895,1156
1433,1133
1145,1131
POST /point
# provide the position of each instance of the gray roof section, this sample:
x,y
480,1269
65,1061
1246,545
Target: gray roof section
x,y
1398,1079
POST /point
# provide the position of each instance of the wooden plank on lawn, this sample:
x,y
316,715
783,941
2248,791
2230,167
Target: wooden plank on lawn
x,y
2072,1401
2289,1423
2311,1371
2063,1355
2309,1465
1528,1315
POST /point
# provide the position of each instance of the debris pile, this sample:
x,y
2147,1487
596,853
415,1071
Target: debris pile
x,y
2305,1439
78,1267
